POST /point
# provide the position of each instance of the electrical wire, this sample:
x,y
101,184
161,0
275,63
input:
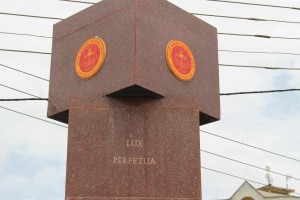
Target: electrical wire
x,y
228,34
20,91
25,51
224,16
256,4
259,36
251,146
248,18
25,34
197,14
253,4
259,52
74,1
259,67
221,94
31,16
259,92
25,99
221,50
232,175
27,115
35,76
244,163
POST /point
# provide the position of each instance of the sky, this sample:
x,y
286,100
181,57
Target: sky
x,y
33,153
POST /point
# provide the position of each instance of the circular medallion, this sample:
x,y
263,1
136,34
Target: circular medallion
x,y
180,60
90,58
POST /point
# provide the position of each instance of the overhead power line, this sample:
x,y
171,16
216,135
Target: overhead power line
x,y
229,34
259,92
31,16
74,1
223,1
25,51
27,115
259,52
221,50
198,14
223,16
260,36
221,94
244,163
11,88
25,34
251,146
259,67
256,4
25,99
248,18
35,76
238,177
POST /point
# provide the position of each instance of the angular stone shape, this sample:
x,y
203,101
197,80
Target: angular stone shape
x,y
133,148
136,33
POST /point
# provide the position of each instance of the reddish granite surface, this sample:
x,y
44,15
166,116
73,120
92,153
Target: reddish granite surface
x,y
134,127
136,33
143,149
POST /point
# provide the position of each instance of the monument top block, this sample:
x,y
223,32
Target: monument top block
x,y
135,36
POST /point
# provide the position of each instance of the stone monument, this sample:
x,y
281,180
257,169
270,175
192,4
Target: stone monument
x,y
134,79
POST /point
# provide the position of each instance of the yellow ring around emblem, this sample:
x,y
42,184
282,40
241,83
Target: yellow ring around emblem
x,y
174,67
95,68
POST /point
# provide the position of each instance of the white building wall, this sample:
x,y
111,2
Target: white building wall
x,y
246,188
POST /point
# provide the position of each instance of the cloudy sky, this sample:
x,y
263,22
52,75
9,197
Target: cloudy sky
x,y
33,153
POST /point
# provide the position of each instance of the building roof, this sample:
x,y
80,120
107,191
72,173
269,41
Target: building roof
x,y
277,190
267,192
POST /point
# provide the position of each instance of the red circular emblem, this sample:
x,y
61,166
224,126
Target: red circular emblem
x,y
90,58
180,60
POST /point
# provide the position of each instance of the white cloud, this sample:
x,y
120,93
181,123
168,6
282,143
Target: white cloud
x,y
3,153
12,185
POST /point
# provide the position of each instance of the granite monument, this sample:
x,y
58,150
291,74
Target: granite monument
x,y
134,79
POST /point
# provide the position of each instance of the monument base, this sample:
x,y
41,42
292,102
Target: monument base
x,y
135,148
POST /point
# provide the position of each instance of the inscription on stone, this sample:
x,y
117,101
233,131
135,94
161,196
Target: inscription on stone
x,y
134,143
134,160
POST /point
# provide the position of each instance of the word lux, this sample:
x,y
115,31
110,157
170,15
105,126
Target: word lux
x,y
134,143
134,161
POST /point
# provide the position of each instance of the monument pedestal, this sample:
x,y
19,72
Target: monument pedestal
x,y
133,148
134,79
